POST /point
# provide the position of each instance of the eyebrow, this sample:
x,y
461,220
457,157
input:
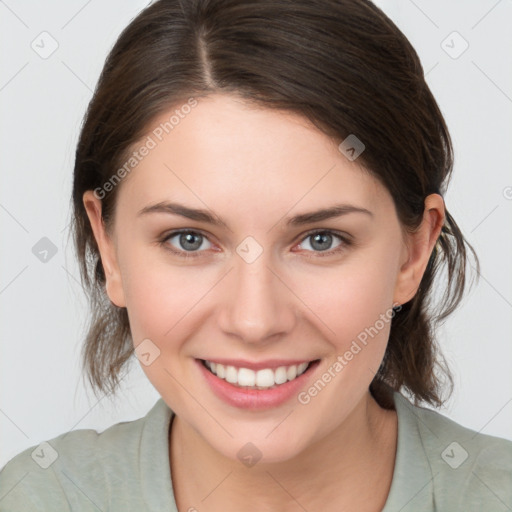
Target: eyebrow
x,y
298,220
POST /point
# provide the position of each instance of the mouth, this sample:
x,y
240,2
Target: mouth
x,y
261,379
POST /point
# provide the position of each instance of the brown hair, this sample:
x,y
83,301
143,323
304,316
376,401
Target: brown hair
x,y
342,64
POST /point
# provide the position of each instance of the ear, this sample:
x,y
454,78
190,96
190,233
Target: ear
x,y
106,246
418,248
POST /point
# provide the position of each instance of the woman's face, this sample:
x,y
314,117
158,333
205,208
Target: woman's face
x,y
256,286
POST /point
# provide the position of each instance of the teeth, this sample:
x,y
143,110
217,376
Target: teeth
x,y
261,379
246,377
280,375
291,372
231,374
265,378
221,371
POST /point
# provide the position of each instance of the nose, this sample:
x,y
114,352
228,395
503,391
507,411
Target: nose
x,y
258,306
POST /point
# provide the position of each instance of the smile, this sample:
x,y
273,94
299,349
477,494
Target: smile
x,y
265,378
257,385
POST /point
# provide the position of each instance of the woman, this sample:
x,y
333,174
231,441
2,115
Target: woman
x,y
259,218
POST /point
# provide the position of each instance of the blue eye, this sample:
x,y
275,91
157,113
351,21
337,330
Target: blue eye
x,y
190,242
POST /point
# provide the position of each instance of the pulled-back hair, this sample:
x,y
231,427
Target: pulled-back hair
x,y
342,64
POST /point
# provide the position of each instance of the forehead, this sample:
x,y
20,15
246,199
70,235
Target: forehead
x,y
227,151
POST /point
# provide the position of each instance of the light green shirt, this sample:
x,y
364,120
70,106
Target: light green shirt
x,y
440,466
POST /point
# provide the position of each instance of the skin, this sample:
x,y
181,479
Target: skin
x,y
254,168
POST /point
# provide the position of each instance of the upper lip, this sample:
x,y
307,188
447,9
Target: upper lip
x,y
259,365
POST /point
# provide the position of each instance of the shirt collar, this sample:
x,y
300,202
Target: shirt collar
x,y
154,467
411,487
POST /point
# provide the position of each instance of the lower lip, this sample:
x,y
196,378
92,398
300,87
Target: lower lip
x,y
245,398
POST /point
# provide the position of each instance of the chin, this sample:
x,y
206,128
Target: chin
x,y
260,450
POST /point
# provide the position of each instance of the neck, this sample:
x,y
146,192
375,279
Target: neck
x,y
339,471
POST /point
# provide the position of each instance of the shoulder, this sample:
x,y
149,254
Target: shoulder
x,y
469,470
77,470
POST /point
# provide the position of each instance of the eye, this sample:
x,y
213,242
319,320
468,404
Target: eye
x,y
188,242
321,242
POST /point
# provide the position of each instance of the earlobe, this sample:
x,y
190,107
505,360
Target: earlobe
x,y
418,249
113,285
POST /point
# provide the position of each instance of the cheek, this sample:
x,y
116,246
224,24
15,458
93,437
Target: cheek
x,y
157,294
167,303
356,306
351,297
163,301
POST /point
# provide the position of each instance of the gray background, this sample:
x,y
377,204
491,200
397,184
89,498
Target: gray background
x,y
42,306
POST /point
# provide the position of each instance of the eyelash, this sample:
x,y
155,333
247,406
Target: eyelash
x,y
346,242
